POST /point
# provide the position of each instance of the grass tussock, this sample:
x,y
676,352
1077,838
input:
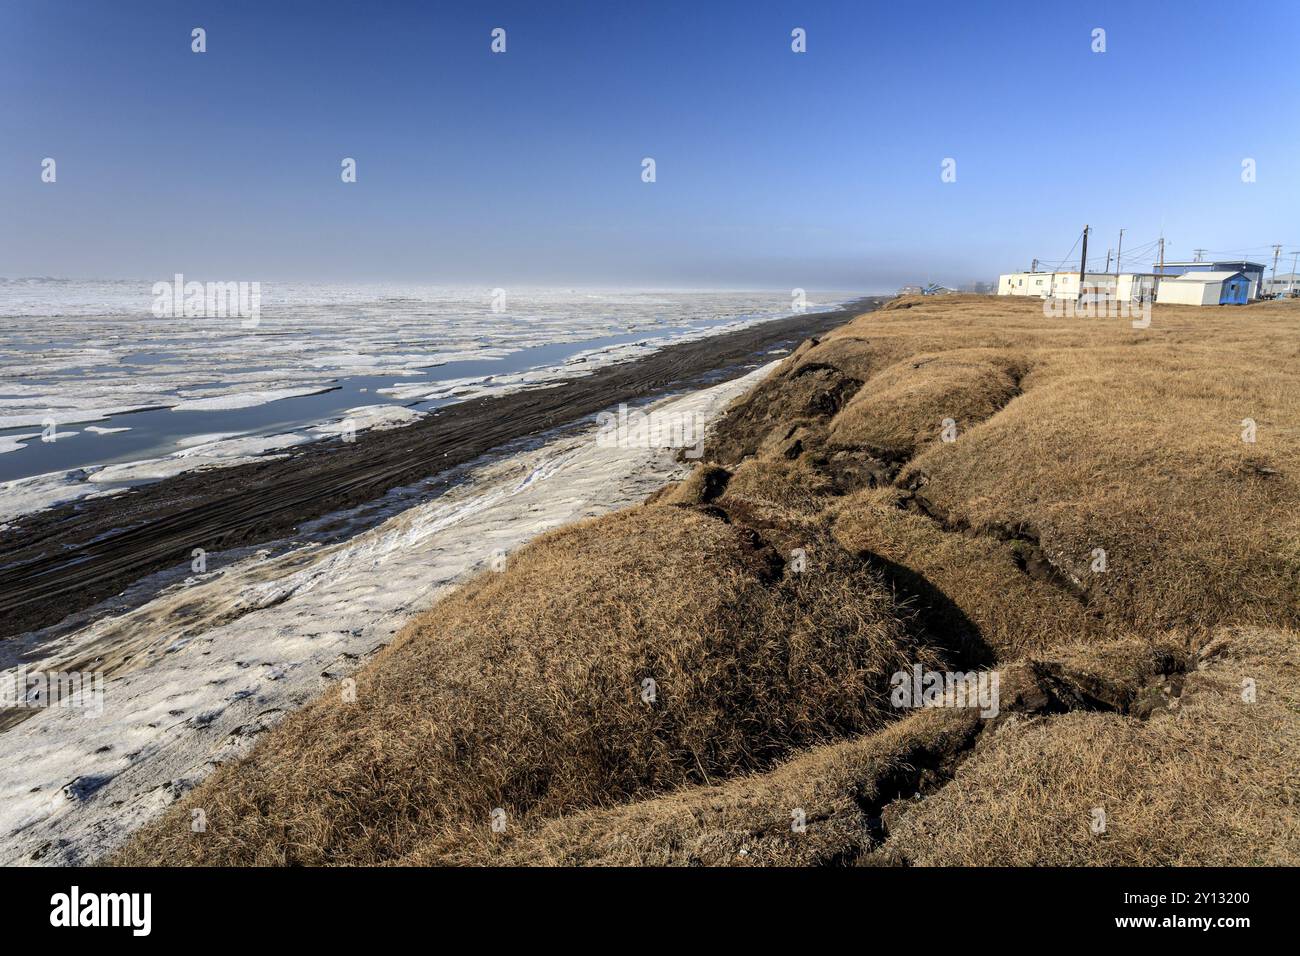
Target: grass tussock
x,y
952,578
1107,460
909,404
526,691
1210,779
748,821
848,796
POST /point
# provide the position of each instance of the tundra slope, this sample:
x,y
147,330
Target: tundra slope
x,y
1098,531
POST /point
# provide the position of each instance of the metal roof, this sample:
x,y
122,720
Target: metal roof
x,y
1201,277
1216,262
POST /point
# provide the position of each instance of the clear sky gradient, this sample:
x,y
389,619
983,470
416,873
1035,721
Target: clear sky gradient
x,y
774,169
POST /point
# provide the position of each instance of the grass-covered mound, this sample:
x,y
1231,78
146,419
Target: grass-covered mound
x,y
1126,753
1208,779
1097,479
527,691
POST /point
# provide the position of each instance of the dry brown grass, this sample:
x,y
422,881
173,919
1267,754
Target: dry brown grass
x,y
1204,779
971,585
1210,781
1074,437
524,691
903,407
748,821
851,793
1123,440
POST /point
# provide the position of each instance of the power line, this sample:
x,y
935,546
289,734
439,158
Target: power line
x,y
1069,255
1145,250
1133,253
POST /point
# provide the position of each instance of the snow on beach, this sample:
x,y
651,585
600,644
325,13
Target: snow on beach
x,y
199,669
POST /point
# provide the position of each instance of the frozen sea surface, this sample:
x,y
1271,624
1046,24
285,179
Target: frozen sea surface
x,y
76,352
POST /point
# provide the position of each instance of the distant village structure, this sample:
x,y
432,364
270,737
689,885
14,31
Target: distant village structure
x,y
1124,287
1206,288
932,289
1287,284
1253,271
1183,283
1198,282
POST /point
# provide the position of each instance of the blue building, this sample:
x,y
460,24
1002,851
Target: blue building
x,y
1253,271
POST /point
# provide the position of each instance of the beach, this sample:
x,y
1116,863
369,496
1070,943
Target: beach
x,y
314,555
90,549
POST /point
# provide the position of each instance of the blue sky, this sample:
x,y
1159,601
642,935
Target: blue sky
x,y
774,169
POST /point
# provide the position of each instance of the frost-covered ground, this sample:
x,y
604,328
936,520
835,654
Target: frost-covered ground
x,y
199,664
75,352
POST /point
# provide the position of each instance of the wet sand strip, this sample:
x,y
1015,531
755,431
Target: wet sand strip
x,y
65,559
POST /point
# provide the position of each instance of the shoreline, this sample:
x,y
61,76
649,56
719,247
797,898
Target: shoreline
x,y
294,409
204,666
70,557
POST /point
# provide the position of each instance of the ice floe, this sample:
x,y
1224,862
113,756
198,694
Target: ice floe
x,y
221,403
27,495
15,442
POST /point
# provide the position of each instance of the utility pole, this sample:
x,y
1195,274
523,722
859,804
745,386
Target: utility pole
x,y
1083,262
1118,251
1276,250
1034,267
1108,252
1290,286
1199,253
1161,268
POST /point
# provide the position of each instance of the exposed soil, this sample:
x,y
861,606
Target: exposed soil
x,y
66,559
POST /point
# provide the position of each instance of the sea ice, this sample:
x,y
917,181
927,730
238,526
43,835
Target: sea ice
x,y
244,399
75,351
15,442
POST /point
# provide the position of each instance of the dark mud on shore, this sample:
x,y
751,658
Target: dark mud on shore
x,y
66,559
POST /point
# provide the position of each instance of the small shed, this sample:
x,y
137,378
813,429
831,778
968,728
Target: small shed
x,y
1204,288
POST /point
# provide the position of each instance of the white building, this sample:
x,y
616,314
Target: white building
x,y
1285,284
1097,286
1137,287
1204,288
1026,283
